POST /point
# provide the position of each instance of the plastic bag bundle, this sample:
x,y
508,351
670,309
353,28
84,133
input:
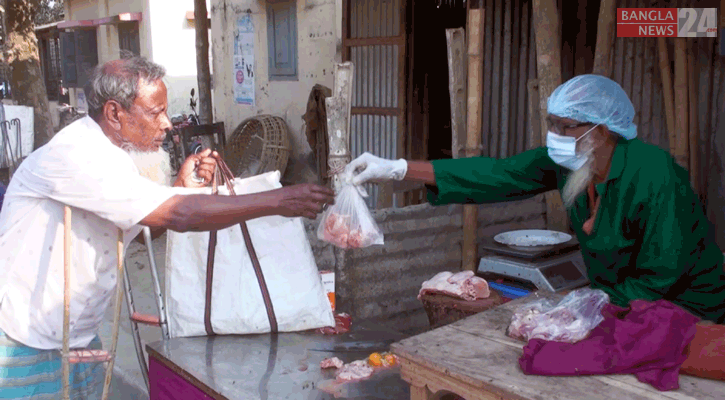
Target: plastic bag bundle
x,y
348,223
568,321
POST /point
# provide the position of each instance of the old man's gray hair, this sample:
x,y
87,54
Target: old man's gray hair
x,y
118,80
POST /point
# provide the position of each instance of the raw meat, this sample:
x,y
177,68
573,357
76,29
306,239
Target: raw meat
x,y
338,232
333,362
463,285
525,319
355,371
568,321
342,325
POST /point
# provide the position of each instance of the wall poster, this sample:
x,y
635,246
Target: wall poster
x,y
243,73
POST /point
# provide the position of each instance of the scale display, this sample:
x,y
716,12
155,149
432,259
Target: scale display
x,y
559,275
553,274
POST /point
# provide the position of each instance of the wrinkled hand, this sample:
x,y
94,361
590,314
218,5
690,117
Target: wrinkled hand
x,y
369,168
198,170
305,200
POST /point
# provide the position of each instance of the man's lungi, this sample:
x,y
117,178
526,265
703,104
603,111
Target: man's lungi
x,y
28,373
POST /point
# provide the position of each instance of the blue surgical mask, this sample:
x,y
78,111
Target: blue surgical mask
x,y
562,149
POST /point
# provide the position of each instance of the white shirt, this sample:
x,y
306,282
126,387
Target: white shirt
x,y
82,168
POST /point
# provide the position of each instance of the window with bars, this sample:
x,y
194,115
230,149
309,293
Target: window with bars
x,y
52,68
128,37
79,51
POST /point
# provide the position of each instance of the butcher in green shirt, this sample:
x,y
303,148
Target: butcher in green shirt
x,y
642,229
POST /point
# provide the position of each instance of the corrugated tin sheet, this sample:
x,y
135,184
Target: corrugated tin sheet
x,y
509,62
376,81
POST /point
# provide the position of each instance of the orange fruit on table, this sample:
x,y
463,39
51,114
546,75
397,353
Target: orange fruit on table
x,y
390,359
375,359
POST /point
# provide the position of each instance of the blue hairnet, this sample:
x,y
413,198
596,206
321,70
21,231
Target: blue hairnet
x,y
595,99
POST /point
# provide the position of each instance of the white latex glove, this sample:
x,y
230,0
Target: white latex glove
x,y
369,168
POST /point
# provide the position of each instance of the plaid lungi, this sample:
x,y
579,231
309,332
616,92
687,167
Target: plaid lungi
x,y
28,373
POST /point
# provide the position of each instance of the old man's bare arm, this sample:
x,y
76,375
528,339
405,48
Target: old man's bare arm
x,y
199,213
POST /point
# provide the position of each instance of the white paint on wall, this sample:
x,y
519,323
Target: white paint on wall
x,y
317,34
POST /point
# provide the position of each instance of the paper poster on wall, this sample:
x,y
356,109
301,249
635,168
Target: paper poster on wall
x,y
243,73
81,100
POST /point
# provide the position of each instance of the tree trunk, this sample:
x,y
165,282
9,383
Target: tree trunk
x,y
203,74
26,77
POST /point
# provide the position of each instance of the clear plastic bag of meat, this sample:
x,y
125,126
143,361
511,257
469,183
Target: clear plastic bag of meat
x,y
569,321
348,223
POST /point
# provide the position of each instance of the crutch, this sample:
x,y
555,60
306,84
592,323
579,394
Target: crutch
x,y
87,356
153,320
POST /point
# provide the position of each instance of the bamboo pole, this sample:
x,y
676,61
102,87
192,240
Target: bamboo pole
x,y
65,360
522,134
681,108
116,316
548,51
534,116
456,41
694,126
504,128
666,75
474,41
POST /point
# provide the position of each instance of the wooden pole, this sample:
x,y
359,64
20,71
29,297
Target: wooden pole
x,y
203,72
456,40
681,108
474,27
534,114
548,62
694,131
116,316
666,75
338,121
65,361
605,38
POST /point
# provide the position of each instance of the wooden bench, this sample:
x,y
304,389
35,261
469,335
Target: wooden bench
x,y
474,358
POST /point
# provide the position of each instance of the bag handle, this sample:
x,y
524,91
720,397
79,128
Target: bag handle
x,y
222,174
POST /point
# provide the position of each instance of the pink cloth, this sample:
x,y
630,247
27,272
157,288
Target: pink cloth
x,y
165,384
648,339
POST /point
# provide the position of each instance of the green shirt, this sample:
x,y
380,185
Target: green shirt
x,y
651,238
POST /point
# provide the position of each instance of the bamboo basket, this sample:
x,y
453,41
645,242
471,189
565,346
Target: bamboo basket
x,y
443,310
259,144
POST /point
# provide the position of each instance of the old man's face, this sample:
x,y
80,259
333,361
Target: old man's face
x,y
143,129
144,124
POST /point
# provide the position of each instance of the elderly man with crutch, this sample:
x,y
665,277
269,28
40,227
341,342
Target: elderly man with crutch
x,y
73,206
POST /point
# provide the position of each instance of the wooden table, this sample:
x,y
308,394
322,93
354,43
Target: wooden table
x,y
285,366
474,358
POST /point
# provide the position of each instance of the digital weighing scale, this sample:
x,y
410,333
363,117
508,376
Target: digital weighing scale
x,y
552,267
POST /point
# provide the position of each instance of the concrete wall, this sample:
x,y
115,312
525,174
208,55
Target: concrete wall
x,y
318,38
165,35
382,282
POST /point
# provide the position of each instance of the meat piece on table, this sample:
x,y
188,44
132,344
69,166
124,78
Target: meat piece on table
x,y
355,371
342,325
463,285
332,362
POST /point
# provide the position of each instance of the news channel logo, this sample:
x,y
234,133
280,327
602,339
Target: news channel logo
x,y
667,22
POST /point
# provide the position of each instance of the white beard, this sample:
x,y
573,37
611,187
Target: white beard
x,y
154,165
578,180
